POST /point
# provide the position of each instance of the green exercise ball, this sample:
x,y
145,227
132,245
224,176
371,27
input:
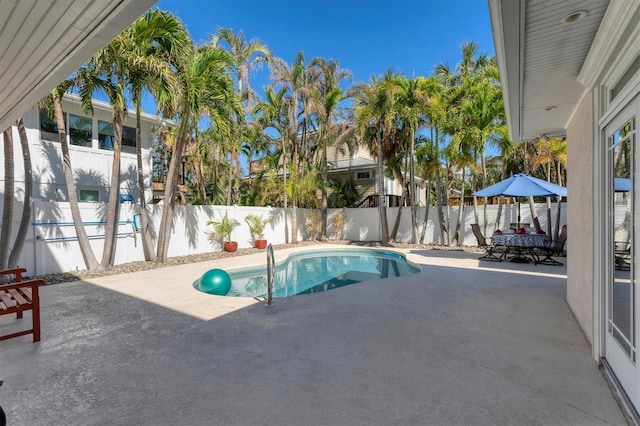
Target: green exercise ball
x,y
215,281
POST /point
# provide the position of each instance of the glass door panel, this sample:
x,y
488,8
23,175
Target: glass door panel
x,y
621,337
621,312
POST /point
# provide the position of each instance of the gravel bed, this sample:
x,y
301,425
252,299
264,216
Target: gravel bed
x,y
63,277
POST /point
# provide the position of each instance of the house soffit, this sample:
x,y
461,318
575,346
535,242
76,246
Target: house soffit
x,y
539,70
43,42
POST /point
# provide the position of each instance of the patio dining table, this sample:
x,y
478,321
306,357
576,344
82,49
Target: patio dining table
x,y
521,245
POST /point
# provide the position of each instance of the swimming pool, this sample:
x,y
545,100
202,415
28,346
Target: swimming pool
x,y
313,271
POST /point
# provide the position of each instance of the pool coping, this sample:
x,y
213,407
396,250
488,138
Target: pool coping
x,y
172,288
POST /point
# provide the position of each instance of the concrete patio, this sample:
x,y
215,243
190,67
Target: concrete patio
x,y
464,342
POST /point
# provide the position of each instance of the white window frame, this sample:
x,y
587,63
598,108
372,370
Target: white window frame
x,y
368,177
89,189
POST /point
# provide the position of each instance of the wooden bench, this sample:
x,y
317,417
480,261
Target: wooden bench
x,y
18,297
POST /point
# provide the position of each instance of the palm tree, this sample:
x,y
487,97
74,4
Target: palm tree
x,y
107,72
296,80
476,111
325,106
25,219
247,57
436,114
273,113
55,101
482,112
375,112
155,42
7,207
551,152
506,147
413,99
427,166
558,150
205,88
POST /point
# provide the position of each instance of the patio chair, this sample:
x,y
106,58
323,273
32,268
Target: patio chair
x,y
482,242
555,248
622,255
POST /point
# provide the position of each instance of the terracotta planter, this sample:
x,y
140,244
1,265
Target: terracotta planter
x,y
260,244
230,246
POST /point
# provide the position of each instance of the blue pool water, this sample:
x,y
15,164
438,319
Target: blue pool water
x,y
319,270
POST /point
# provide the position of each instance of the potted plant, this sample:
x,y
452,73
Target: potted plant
x,y
222,230
256,227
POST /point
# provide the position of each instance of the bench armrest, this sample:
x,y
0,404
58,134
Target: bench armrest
x,y
15,271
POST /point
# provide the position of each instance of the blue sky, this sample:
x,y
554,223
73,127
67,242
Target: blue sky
x,y
368,37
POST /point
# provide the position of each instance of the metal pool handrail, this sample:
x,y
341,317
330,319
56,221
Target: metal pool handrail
x,y
271,273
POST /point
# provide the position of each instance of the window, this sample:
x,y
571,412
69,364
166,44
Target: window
x,y
89,195
626,77
128,138
48,127
106,137
363,175
80,132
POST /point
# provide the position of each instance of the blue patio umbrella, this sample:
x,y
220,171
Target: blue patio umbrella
x,y
522,185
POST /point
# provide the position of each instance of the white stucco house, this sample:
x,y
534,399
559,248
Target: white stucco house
x,y
90,138
573,68
42,43
50,245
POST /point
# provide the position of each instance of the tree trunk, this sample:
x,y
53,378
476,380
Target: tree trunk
x,y
230,183
476,218
27,205
284,183
534,215
7,207
166,222
556,234
426,212
381,199
396,225
548,199
323,191
83,240
475,208
412,185
113,206
201,184
460,213
499,214
484,185
439,201
549,230
147,244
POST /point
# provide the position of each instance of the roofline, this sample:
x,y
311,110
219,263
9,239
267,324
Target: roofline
x,y
511,82
123,13
106,106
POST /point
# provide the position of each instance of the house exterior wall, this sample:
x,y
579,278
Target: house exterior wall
x,y
335,153
580,279
91,165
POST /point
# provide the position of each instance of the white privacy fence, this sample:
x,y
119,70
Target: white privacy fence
x,y
52,245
